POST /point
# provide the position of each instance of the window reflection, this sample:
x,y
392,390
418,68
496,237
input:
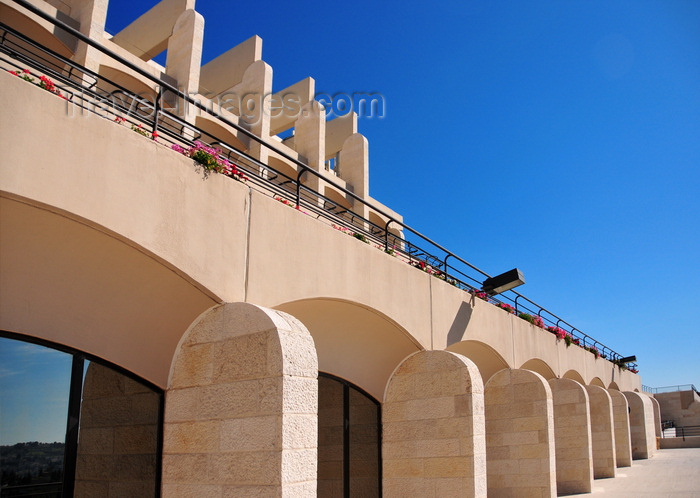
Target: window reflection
x,y
34,386
113,443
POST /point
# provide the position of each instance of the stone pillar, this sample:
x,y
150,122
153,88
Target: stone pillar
x,y
642,428
118,440
310,141
572,437
602,432
241,407
657,415
519,435
621,423
92,15
433,428
184,59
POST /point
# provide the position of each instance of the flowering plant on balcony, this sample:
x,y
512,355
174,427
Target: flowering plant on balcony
x,y
210,159
139,129
559,332
480,294
593,350
506,307
44,82
569,339
536,320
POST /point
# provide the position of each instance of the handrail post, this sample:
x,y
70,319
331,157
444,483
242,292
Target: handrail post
x,y
386,235
298,199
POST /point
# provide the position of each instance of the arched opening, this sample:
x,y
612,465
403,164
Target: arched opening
x,y
214,132
539,366
613,385
487,359
75,424
349,439
354,342
595,381
45,34
574,375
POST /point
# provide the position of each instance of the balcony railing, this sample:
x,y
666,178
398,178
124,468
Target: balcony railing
x,y
89,91
670,389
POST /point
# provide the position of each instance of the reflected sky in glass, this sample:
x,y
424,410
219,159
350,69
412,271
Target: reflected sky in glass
x,y
34,388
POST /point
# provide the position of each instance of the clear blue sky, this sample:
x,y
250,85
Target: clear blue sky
x,y
561,137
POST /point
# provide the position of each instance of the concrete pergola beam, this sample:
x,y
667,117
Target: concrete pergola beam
x,y
228,69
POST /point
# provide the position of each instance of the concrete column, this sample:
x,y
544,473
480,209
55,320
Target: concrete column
x,y
310,141
118,436
433,428
642,428
354,164
602,432
92,15
519,435
621,423
572,437
241,407
184,57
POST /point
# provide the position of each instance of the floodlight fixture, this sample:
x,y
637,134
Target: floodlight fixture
x,y
628,359
503,282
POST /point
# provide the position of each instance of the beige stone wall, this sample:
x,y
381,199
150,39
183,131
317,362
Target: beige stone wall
x,y
657,416
241,407
621,421
602,432
642,429
118,438
433,428
682,407
572,437
519,435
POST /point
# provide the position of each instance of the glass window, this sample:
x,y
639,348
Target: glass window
x,y
349,462
75,427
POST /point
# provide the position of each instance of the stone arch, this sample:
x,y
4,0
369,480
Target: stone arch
x,y
602,432
519,434
213,130
539,366
137,84
68,275
595,381
657,415
41,31
286,170
241,405
433,427
642,428
621,421
572,435
574,375
487,359
354,342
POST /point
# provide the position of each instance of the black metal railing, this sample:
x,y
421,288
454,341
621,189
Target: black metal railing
x,y
670,389
88,91
683,432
